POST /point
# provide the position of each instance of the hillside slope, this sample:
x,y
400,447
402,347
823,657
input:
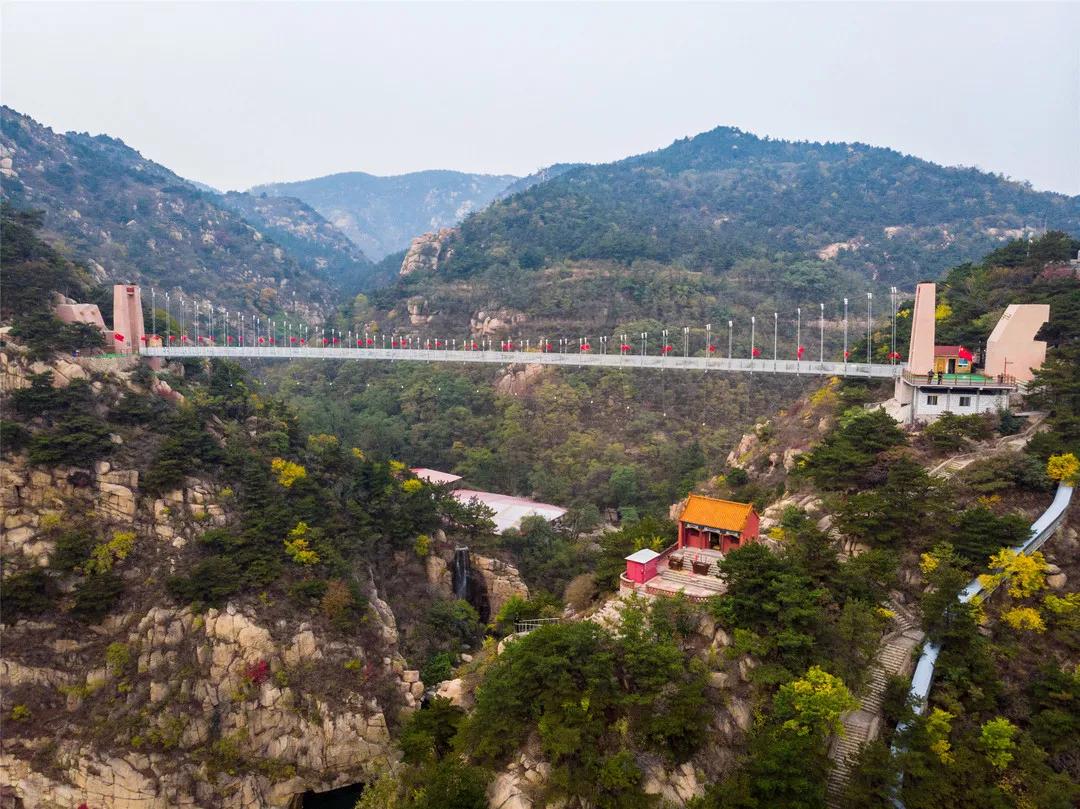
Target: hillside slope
x,y
725,197
138,221
382,214
317,245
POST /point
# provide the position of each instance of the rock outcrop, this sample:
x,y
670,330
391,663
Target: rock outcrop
x,y
428,251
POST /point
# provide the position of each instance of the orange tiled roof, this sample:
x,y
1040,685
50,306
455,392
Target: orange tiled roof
x,y
715,513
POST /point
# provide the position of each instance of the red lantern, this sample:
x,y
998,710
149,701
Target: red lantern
x,y
586,347
548,347
371,341
262,340
172,337
712,349
229,339
302,341
337,340
271,341
624,348
756,352
292,340
475,347
183,338
667,349
847,355
800,352
118,337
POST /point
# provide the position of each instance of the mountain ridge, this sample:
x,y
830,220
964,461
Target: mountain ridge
x,y
382,214
136,220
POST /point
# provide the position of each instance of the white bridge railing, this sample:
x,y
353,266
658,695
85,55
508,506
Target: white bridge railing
x,y
759,365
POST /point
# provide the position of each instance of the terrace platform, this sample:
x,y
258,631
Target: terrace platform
x,y
675,574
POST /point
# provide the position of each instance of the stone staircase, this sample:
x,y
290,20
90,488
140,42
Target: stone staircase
x,y
709,582
863,725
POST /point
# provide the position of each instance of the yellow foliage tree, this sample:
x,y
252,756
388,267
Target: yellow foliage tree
x,y
287,472
1024,618
1065,609
412,485
1064,468
105,554
938,727
321,442
1025,575
298,547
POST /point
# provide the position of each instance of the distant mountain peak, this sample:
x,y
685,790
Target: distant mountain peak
x,y
382,215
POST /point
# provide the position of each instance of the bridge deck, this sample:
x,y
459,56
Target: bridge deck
x,y
764,366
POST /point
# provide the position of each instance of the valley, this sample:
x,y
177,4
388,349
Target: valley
x,y
231,580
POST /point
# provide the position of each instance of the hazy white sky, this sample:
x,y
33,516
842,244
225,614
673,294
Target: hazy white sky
x,y
238,94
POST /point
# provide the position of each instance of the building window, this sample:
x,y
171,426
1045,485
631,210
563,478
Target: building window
x,y
965,401
931,400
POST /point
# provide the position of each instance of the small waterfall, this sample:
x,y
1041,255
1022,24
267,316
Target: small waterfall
x,y
462,583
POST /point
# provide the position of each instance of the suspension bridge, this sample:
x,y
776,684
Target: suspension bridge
x,y
533,357
197,329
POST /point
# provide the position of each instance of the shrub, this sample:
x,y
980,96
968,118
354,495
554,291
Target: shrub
x,y
949,431
97,595
581,591
437,668
117,658
451,784
427,734
27,594
20,713
210,582
13,437
103,556
76,440
343,603
73,548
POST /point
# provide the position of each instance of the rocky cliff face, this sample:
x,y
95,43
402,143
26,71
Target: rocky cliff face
x,y
428,251
160,704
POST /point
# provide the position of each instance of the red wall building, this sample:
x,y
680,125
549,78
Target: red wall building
x,y
722,525
641,565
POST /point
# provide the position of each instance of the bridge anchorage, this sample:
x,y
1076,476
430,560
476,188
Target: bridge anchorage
x,y
196,329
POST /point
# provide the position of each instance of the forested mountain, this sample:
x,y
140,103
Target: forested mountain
x,y
383,214
135,220
316,244
730,216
